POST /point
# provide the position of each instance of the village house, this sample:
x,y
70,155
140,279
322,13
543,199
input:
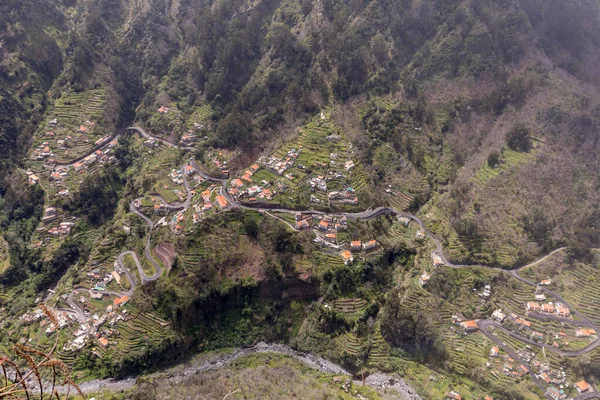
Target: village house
x,y
498,315
323,226
237,183
347,257
453,396
545,282
163,110
424,278
420,235
436,259
370,245
585,332
49,215
188,170
533,306
355,245
33,179
349,165
540,297
120,301
222,202
548,308
331,237
562,311
522,322
495,352
469,326
302,224
160,209
583,387
103,342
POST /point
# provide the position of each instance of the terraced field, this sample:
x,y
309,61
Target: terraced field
x,y
7,294
583,290
350,307
509,160
380,350
140,330
325,260
349,343
75,108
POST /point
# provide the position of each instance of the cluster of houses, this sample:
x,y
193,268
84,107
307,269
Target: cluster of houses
x,y
244,187
42,152
437,261
102,156
345,196
93,328
331,224
280,165
548,308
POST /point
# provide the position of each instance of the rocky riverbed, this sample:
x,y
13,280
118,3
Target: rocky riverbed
x,y
177,374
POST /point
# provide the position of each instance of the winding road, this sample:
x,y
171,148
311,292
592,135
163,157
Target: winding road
x,y
484,325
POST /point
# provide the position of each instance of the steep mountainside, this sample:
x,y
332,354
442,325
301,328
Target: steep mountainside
x,y
479,117
465,72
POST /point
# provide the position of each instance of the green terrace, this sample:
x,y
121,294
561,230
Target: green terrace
x,y
72,111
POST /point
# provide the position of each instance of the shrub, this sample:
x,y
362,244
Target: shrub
x,y
519,138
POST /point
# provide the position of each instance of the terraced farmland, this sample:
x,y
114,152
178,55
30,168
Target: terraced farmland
x,y
75,108
583,291
380,350
7,294
349,343
350,307
509,160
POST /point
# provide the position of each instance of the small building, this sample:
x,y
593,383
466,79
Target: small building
x,y
583,387
49,215
120,301
562,311
420,235
545,282
103,342
323,226
116,276
498,315
222,202
453,396
33,179
403,220
436,259
347,257
548,308
585,332
371,244
331,237
522,322
533,306
469,326
355,245
495,352
302,224
424,278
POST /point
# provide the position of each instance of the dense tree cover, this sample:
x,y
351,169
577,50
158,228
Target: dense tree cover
x,y
413,329
519,138
97,196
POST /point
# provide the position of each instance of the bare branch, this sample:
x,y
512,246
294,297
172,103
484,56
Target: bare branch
x,y
229,394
